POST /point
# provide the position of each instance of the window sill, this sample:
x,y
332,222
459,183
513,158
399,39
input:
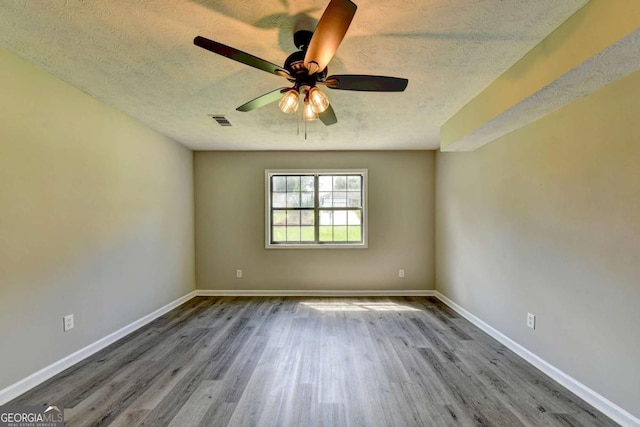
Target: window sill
x,y
317,246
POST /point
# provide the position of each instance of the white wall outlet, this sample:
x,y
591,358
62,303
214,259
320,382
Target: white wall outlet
x,y
531,321
67,322
401,273
238,274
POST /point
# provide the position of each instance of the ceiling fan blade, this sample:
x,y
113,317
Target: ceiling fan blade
x,y
328,117
328,35
262,100
240,56
367,83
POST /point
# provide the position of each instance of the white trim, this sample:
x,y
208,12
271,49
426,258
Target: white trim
x,y
9,393
596,400
311,293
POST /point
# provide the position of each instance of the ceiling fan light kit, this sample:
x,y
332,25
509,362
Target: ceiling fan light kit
x,y
308,114
307,67
318,100
289,102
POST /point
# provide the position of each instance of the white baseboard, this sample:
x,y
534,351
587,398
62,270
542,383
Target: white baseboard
x,y
24,385
312,293
596,400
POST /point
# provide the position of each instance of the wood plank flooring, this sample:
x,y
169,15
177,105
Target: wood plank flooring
x,y
254,361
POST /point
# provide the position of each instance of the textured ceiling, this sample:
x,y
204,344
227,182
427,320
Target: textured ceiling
x,y
139,57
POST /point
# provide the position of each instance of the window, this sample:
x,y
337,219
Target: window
x,y
316,208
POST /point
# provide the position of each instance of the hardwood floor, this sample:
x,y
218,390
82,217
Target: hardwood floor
x,y
253,361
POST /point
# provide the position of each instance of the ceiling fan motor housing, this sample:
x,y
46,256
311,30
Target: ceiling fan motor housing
x,y
294,64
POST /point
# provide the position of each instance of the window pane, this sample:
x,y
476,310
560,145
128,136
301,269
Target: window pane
x,y
293,200
306,183
326,233
307,218
325,183
293,183
307,234
306,200
325,218
311,207
353,183
354,217
293,234
340,233
340,217
325,200
279,200
355,233
279,183
279,234
279,217
339,199
293,217
353,199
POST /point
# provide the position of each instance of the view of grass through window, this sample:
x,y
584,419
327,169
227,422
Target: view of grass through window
x,y
316,208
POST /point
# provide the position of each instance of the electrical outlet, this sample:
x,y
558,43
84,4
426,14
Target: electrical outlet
x,y
531,321
67,323
401,273
238,274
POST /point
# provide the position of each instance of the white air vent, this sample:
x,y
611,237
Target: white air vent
x,y
222,120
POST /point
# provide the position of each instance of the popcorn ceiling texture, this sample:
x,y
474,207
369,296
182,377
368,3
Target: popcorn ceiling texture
x,y
139,58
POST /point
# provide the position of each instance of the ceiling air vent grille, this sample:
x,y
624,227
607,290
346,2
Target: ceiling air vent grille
x,y
222,120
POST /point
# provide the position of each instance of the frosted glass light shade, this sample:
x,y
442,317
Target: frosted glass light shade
x,y
289,102
318,100
307,112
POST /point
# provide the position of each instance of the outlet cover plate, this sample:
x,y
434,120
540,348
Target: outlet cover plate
x,y
67,322
531,321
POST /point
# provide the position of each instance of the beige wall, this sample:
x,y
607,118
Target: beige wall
x,y
230,223
547,220
96,219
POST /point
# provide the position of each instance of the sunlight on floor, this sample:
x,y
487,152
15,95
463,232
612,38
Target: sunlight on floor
x,y
359,306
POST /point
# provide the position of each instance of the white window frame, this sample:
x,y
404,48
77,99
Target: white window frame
x,y
330,245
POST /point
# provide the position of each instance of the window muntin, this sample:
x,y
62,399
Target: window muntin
x,y
316,208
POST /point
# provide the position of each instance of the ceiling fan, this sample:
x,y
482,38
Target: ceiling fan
x,y
307,67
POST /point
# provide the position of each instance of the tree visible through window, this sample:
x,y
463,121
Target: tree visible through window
x,y
316,208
